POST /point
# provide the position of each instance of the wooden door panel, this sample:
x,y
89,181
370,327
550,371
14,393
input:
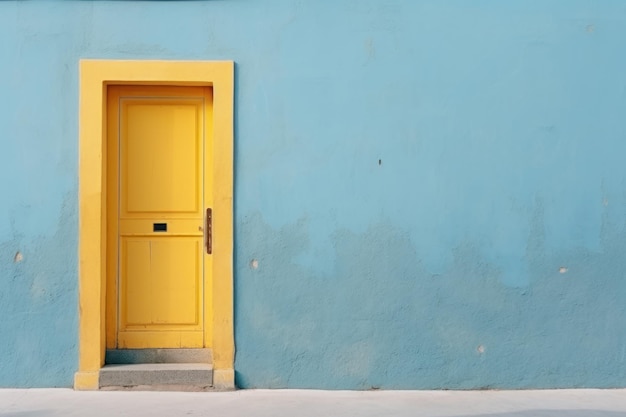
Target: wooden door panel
x,y
160,283
161,153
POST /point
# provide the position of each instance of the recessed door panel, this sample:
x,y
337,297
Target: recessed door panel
x,y
161,283
160,165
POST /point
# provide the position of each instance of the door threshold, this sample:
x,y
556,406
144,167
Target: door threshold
x,y
137,356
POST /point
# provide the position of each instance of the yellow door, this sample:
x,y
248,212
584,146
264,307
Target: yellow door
x,y
158,192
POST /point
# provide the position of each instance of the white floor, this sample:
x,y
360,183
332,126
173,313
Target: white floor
x,y
292,403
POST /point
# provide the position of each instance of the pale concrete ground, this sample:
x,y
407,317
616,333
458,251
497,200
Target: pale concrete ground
x,y
283,403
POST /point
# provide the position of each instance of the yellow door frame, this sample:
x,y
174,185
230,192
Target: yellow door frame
x,y
95,75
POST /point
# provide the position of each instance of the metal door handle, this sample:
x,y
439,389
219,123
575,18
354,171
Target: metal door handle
x,y
209,231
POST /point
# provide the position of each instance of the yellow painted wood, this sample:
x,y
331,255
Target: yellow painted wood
x,y
111,236
95,187
161,283
158,339
159,169
175,227
161,156
209,198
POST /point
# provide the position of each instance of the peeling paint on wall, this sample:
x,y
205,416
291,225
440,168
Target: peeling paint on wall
x,y
380,318
38,299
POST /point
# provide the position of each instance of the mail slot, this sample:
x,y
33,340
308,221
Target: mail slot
x,y
159,227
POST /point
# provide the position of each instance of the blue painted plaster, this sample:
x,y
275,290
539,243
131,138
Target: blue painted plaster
x,y
411,178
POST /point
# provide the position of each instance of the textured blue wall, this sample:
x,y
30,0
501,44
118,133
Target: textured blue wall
x,y
429,194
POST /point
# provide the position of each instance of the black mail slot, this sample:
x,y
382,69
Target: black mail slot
x,y
159,227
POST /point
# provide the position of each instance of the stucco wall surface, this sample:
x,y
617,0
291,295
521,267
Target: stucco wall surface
x,y
428,194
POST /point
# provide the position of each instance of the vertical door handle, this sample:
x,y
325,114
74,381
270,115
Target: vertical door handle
x,y
209,231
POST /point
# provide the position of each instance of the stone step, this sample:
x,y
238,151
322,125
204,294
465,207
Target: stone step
x,y
158,376
134,356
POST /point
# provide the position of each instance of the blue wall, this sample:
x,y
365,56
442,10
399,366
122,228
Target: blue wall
x,y
433,191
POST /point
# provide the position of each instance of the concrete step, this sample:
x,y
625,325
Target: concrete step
x,y
157,376
132,356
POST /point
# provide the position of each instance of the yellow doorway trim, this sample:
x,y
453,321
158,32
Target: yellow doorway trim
x,y
95,75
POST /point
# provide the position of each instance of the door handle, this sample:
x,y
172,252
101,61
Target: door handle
x,y
209,231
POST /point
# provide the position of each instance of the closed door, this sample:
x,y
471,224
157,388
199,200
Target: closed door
x,y
157,194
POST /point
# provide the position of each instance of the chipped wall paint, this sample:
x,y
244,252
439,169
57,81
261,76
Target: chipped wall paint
x,y
429,194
